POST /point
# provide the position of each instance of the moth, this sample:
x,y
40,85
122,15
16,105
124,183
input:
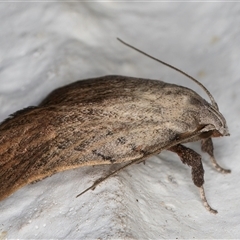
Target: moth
x,y
108,120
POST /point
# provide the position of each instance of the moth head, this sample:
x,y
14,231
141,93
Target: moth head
x,y
213,122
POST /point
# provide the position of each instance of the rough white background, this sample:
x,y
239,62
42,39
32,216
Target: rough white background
x,y
44,45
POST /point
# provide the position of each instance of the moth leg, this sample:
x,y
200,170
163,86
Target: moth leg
x,y
205,202
207,146
193,159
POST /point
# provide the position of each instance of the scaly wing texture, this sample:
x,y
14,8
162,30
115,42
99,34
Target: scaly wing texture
x,y
107,120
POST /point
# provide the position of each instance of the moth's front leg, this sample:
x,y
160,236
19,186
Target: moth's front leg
x,y
207,146
193,159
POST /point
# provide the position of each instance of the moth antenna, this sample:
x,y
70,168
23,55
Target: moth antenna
x,y
214,104
98,181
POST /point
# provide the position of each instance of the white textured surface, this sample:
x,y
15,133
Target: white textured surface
x,y
46,45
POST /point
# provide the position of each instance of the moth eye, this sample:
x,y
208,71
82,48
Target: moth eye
x,y
206,134
217,134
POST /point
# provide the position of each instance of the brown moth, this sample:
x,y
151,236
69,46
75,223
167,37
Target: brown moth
x,y
107,120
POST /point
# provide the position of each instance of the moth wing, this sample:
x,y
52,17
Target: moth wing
x,y
121,123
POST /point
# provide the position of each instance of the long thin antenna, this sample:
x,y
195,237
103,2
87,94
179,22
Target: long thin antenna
x,y
214,104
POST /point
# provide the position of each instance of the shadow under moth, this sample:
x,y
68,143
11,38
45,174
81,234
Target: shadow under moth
x,y
108,120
